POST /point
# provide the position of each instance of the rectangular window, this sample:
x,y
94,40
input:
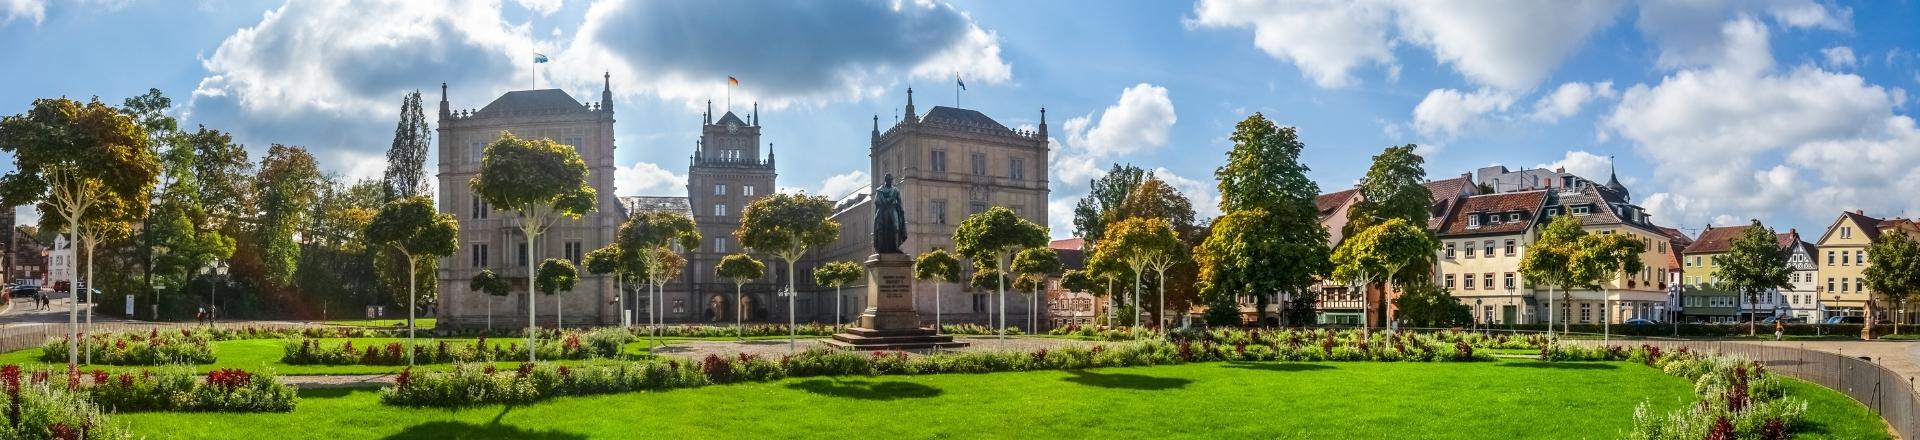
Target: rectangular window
x,y
1845,259
1469,283
1579,210
720,210
1663,247
573,251
1486,281
1586,312
938,161
1846,232
1513,217
1473,220
479,255
937,212
523,254
1469,248
1860,257
1449,281
720,244
720,189
1511,248
1488,247
1017,169
1829,258
1509,281
746,190
979,164
979,303
476,151
480,208
976,208
1860,285
1844,284
1449,251
1553,212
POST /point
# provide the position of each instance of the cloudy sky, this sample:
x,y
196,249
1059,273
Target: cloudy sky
x,y
1713,111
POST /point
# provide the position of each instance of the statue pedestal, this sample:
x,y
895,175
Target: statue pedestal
x,y
890,321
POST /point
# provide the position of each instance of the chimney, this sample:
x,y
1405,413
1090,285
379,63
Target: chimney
x,y
1859,212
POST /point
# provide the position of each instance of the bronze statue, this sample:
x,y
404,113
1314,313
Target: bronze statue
x,y
889,219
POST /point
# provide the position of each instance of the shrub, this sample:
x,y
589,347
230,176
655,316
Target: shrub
x,y
1733,398
135,348
570,345
38,409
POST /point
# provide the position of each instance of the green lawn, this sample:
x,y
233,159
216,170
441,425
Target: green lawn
x,y
264,354
423,323
1507,399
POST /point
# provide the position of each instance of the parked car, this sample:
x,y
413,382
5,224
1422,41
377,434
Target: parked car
x,y
1783,320
1845,320
1640,321
22,291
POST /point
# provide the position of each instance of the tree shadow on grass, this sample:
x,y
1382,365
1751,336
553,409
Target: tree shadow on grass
x,y
444,430
1277,366
864,389
331,392
1126,381
1561,365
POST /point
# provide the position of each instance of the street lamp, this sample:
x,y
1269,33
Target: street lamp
x,y
217,269
1476,313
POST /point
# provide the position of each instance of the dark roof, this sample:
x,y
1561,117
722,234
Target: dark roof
x,y
524,100
1715,240
637,204
1331,202
1071,255
1445,194
1869,225
1527,203
963,117
730,117
1603,206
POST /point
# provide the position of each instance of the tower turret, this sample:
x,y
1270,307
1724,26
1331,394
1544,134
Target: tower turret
x,y
876,129
910,115
1043,122
707,119
756,113
606,92
445,111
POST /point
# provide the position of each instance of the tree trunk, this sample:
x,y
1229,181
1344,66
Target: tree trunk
x,y
91,301
412,299
73,305
533,327
1136,299
838,296
792,329
1161,318
1550,313
1001,261
936,307
738,309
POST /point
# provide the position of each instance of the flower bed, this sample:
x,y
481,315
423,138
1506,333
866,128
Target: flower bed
x,y
134,348
174,388
976,330
601,343
39,409
1733,398
468,385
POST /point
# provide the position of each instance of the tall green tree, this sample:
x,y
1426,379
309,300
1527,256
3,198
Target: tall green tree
x,y
838,274
418,231
1394,187
1375,254
648,237
163,132
1106,193
75,157
787,226
491,284
1603,258
1034,266
1425,305
222,169
939,267
1753,264
406,174
1154,198
994,237
1548,261
740,268
289,182
1268,240
1894,269
556,276
541,181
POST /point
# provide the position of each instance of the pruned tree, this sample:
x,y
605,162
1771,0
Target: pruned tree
x,y
740,268
838,274
939,267
1269,240
787,226
419,232
1548,261
648,238
556,276
540,180
1604,258
491,284
1034,266
76,158
995,236
1753,264
663,265
1145,245
1376,254
622,265
406,174
1108,269
1894,270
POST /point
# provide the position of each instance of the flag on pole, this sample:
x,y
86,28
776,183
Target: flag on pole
x,y
538,58
732,82
956,80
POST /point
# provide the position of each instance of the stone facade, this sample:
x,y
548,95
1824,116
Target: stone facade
x,y
725,173
490,237
1480,250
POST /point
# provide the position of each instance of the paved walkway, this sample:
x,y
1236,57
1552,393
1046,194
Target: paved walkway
x,y
775,348
1902,357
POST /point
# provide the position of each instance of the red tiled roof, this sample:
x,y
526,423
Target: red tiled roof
x,y
1447,188
1074,243
1714,240
1527,203
1330,202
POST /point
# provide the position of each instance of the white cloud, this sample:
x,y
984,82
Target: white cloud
x,y
1140,121
1507,45
35,10
843,184
783,53
1060,215
1206,203
1326,39
1569,98
543,7
1445,112
1839,57
644,178
1591,166
1688,34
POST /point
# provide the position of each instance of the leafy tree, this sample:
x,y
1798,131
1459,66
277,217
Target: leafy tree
x,y
418,231
1269,239
289,182
1548,261
1033,266
491,284
1108,269
1753,264
1145,244
1894,269
1606,257
406,174
540,180
786,226
556,276
1423,304
939,267
1154,198
838,274
1395,187
648,238
74,158
624,266
150,111
740,268
994,236
1378,252
987,278
1106,193
221,167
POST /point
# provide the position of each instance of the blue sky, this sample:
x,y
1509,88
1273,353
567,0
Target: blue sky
x,y
1714,111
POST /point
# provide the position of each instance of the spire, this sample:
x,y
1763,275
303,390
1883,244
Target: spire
x,y
769,154
606,91
910,115
1043,122
708,116
756,114
1613,181
445,112
876,129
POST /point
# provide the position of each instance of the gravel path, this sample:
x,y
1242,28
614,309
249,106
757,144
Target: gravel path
x,y
776,348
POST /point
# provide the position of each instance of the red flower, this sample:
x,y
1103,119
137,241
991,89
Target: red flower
x,y
228,378
405,379
526,368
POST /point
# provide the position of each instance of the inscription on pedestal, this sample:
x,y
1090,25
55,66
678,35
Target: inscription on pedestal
x,y
894,286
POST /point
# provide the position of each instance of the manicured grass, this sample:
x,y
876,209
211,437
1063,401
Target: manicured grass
x,y
1507,399
265,354
422,323
1834,415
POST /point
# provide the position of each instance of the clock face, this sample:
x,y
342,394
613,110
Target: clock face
x,y
733,126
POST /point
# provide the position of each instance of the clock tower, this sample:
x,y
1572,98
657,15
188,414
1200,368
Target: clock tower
x,y
727,171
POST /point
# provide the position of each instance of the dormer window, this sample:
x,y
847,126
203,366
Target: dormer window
x,y
1473,220
1580,210
1553,212
1513,217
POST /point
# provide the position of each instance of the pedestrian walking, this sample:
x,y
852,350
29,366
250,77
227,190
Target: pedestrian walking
x,y
1779,329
